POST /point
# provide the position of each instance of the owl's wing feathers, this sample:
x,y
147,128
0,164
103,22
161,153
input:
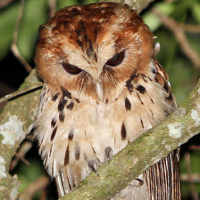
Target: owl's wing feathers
x,y
163,178
50,128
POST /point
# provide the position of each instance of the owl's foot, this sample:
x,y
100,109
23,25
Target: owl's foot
x,y
93,165
108,154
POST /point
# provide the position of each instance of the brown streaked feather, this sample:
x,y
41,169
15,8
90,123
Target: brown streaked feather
x,y
162,179
162,78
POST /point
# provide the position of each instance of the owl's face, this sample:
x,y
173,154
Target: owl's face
x,y
92,50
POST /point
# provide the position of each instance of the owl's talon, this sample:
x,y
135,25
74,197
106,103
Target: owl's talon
x,y
91,165
108,153
137,182
140,181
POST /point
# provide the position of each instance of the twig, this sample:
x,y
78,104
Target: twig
x,y
138,5
189,171
34,187
25,147
194,147
195,178
52,7
43,195
4,3
14,47
178,31
5,89
190,28
19,92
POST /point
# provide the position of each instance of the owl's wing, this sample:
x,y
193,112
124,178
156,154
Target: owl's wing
x,y
162,179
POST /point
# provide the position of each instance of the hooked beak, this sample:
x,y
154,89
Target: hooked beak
x,y
99,90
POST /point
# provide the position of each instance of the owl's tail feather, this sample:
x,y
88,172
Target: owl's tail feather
x,y
62,184
59,185
163,178
65,182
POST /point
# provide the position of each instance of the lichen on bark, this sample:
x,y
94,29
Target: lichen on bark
x,y
16,119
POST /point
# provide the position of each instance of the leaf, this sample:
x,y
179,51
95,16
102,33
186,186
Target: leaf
x,y
65,3
33,16
90,1
195,8
7,26
152,20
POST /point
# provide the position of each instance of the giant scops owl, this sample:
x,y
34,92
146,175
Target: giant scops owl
x,y
103,88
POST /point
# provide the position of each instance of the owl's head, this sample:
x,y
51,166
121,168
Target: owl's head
x,y
93,50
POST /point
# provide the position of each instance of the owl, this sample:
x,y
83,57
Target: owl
x,y
103,88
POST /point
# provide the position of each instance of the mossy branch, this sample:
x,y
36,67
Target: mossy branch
x,y
16,120
138,5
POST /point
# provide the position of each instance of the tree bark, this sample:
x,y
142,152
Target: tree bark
x,y
138,5
16,120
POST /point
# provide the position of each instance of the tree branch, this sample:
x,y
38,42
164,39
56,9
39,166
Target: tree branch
x,y
16,120
178,31
138,5
134,159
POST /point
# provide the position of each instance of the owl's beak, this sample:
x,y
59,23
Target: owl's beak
x,y
99,90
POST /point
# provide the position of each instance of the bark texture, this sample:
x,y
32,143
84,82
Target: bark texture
x,y
16,120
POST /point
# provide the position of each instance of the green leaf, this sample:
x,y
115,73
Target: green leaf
x,y
195,9
7,26
27,174
35,13
152,20
65,3
182,78
90,1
